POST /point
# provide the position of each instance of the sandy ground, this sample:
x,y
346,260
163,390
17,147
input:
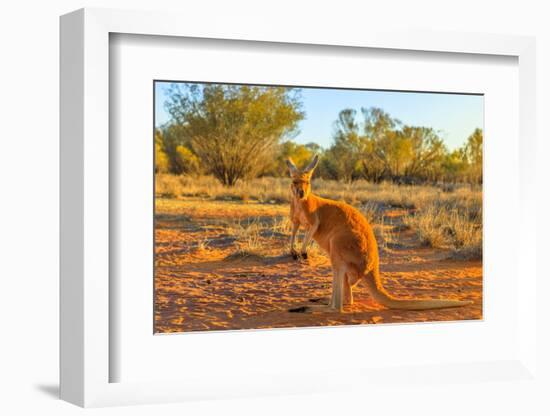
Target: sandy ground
x,y
201,285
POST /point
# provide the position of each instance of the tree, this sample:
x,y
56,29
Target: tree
x,y
455,166
234,130
187,161
387,150
162,163
474,154
344,156
381,147
428,153
299,153
314,148
175,149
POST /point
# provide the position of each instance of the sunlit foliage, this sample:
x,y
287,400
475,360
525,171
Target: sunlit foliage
x,y
237,132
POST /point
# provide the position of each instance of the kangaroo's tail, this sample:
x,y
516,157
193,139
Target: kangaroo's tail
x,y
380,294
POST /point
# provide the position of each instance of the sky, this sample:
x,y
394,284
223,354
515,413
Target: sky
x,y
453,116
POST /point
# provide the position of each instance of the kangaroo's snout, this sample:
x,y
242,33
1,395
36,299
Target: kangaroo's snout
x,y
301,193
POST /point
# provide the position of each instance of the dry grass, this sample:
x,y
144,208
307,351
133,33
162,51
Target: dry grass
x,y
387,234
255,236
443,216
202,244
454,223
249,239
372,211
276,190
266,190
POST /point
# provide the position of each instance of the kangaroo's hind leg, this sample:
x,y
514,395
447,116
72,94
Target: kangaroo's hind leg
x,y
352,278
337,296
338,283
348,293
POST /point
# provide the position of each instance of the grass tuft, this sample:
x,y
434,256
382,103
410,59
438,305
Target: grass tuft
x,y
445,216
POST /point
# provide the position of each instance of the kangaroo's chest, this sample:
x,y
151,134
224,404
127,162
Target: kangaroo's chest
x,y
302,217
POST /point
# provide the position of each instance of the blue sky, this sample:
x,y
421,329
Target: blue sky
x,y
454,116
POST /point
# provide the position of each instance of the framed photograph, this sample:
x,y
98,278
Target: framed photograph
x,y
263,214
241,169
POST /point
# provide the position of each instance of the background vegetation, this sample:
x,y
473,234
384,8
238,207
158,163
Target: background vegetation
x,y
242,132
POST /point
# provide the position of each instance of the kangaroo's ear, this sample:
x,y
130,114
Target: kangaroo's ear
x,y
312,165
291,167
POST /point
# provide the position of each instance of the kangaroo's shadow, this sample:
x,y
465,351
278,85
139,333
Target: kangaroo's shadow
x,y
307,308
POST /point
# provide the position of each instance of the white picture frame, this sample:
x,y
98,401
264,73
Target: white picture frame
x,y
85,216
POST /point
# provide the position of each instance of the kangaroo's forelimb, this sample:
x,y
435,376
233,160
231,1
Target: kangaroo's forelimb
x,y
293,252
308,237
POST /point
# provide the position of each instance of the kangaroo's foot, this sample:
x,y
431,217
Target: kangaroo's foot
x,y
328,308
348,298
304,255
294,254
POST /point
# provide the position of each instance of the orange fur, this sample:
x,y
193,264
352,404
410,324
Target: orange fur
x,y
345,234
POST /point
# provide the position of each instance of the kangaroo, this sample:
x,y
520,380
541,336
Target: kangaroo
x,y
347,237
